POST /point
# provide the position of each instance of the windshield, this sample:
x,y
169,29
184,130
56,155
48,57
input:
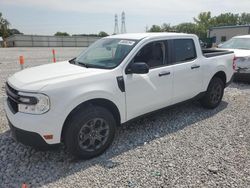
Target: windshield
x,y
237,43
106,53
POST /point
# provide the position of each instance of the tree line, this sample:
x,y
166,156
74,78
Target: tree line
x,y
100,34
5,31
203,22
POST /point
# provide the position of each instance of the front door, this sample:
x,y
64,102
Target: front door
x,y
151,91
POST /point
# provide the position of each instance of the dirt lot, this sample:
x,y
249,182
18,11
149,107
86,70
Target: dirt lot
x,y
184,146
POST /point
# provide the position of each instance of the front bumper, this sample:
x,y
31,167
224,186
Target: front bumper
x,y
29,138
28,127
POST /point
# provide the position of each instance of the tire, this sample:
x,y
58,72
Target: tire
x,y
214,94
89,132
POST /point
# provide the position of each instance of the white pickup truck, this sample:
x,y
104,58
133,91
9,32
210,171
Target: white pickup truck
x,y
81,102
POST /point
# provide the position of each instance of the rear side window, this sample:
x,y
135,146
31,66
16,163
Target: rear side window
x,y
183,50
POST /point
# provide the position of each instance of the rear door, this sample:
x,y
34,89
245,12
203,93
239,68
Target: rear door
x,y
187,80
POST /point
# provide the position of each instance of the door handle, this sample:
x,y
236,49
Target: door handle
x,y
195,67
164,74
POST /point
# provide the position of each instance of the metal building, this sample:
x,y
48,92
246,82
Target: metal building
x,y
224,33
50,41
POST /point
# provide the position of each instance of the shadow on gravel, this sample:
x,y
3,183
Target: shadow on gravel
x,y
20,163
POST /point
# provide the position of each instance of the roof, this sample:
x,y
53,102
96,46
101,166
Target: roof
x,y
139,36
228,27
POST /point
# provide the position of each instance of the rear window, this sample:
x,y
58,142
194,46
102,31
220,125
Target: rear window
x,y
184,50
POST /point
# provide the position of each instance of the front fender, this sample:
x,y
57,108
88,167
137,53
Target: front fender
x,y
100,94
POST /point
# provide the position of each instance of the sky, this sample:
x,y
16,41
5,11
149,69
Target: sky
x,y
46,17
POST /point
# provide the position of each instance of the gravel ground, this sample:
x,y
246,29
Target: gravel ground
x,y
184,146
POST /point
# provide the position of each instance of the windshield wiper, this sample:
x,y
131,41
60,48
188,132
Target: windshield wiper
x,y
90,65
82,64
72,61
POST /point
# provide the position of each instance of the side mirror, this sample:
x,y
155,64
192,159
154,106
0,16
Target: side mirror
x,y
138,68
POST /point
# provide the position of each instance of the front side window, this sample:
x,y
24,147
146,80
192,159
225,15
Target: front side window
x,y
183,50
153,54
106,53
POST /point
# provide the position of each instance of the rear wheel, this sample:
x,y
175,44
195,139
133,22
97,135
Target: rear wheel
x,y
90,132
214,93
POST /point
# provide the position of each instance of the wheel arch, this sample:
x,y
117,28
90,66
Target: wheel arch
x,y
222,75
105,103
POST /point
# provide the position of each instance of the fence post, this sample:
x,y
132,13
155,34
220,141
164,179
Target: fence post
x,y
54,55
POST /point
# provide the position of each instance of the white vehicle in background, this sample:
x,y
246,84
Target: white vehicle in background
x,y
118,78
241,47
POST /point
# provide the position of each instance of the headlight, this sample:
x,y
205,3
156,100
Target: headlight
x,y
33,103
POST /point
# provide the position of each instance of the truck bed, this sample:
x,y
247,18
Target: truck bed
x,y
214,52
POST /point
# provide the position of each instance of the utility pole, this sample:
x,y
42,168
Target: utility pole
x,y
123,28
116,29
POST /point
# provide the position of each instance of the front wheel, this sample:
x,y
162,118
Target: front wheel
x,y
90,132
214,94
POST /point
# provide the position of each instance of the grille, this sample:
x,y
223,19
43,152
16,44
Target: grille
x,y
12,99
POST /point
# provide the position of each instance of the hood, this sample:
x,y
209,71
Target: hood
x,y
35,78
